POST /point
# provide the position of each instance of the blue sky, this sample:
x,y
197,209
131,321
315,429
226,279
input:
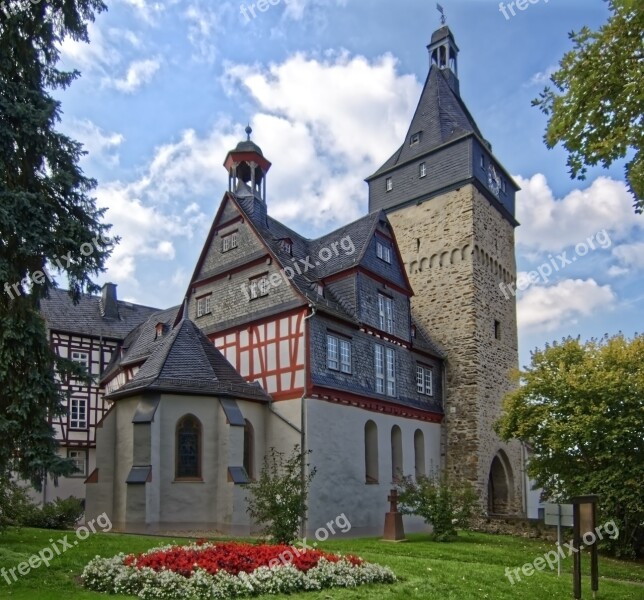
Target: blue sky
x,y
329,87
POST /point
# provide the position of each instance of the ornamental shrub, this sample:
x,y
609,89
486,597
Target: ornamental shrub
x,y
14,503
59,514
277,500
443,504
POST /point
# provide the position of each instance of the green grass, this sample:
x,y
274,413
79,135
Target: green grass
x,y
471,568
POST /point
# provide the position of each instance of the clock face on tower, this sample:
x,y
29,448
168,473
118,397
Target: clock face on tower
x,y
493,180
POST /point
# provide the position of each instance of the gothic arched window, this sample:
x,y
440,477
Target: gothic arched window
x,y
188,454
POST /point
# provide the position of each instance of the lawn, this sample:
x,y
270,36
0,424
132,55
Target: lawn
x,y
472,567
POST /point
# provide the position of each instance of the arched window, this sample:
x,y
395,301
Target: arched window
x,y
371,452
419,453
249,449
396,454
188,464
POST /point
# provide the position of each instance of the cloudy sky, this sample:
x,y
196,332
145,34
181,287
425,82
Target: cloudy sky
x,y
329,87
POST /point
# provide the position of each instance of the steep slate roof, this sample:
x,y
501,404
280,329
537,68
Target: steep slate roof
x,y
84,318
186,362
441,116
424,342
141,341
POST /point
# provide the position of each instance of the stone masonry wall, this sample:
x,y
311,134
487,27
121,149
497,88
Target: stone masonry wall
x,y
452,246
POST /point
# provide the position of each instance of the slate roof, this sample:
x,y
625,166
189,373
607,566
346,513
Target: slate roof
x,y
424,342
441,117
186,362
272,232
84,318
141,341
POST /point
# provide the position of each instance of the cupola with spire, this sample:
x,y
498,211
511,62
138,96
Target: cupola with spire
x,y
247,168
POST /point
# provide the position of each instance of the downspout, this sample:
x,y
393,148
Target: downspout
x,y
303,413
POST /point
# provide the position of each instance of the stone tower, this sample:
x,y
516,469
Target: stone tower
x,y
451,204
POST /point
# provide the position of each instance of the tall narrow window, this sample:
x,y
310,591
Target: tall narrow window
x,y
396,454
78,413
380,368
391,372
249,449
497,330
419,453
386,312
332,354
188,448
389,184
371,452
423,169
385,368
424,380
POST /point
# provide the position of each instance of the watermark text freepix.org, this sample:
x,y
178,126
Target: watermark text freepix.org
x,y
260,286
554,265
39,277
47,554
551,558
520,4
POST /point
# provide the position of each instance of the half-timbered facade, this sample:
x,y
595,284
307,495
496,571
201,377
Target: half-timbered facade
x,y
88,333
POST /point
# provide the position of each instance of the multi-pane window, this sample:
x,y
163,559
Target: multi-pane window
x,y
286,245
338,354
229,242
423,169
82,358
188,448
204,306
383,251
385,363
386,312
259,287
389,184
424,380
79,459
78,413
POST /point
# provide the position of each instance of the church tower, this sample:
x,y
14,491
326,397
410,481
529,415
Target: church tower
x,y
451,204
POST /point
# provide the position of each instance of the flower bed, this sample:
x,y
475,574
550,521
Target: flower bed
x,y
227,570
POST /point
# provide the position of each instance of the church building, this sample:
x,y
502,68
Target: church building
x,y
383,347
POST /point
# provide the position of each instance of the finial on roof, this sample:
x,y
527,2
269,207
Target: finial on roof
x,y
442,12
249,130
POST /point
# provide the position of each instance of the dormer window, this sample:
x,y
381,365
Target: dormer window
x,y
286,245
229,242
389,184
383,251
159,331
415,139
423,170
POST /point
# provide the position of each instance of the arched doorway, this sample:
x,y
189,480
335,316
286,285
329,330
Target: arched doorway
x,y
500,485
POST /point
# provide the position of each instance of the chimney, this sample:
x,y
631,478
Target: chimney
x,y
109,302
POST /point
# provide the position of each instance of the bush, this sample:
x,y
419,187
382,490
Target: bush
x,y
443,504
278,499
59,514
15,504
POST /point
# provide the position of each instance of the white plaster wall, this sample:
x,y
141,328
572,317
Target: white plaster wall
x,y
335,433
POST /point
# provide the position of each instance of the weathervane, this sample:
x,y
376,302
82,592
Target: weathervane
x,y
442,12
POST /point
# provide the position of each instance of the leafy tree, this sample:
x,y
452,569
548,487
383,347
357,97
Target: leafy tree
x,y
45,213
581,408
444,504
597,106
278,498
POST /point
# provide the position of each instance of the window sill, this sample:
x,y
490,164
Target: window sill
x,y
189,480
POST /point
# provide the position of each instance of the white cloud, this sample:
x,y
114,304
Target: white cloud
x,y
97,143
205,22
97,56
148,12
542,78
138,73
550,224
329,122
630,256
296,9
548,308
